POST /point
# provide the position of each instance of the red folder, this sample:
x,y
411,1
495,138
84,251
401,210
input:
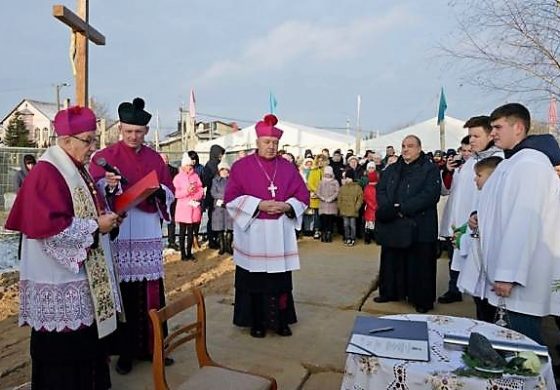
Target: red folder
x,y
137,193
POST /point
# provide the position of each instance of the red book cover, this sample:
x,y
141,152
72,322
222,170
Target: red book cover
x,y
137,193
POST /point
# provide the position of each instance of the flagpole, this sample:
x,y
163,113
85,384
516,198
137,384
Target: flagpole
x,y
156,135
442,134
358,132
441,119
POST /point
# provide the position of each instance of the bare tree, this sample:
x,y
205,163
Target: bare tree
x,y
99,108
510,45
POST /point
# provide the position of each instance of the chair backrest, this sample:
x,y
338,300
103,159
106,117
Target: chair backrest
x,y
195,330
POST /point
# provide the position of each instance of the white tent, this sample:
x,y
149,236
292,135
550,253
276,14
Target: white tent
x,y
427,131
296,139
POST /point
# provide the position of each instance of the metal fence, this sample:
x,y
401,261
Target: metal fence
x,y
10,163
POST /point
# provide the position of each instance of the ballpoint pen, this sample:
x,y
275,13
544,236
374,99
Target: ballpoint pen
x,y
362,348
384,329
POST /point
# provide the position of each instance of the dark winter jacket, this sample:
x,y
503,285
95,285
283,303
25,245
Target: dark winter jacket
x,y
210,171
544,143
338,169
416,188
20,175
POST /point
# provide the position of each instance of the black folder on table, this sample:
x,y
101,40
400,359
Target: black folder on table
x,y
404,339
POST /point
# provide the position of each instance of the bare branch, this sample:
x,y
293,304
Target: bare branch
x,y
509,45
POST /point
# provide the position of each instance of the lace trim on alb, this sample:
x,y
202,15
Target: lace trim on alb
x,y
69,247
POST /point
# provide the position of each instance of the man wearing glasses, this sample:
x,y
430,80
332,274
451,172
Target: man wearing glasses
x,y
138,249
68,290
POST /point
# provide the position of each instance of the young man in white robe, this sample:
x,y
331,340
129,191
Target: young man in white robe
x,y
518,223
463,198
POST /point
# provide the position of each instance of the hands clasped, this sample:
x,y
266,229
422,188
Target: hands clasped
x,y
273,207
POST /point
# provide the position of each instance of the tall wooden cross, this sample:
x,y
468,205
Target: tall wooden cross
x,y
83,33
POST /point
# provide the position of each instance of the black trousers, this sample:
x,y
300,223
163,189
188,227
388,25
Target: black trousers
x,y
484,311
327,223
75,360
263,299
409,273
188,229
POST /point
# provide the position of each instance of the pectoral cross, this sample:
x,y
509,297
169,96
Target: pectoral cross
x,y
272,188
82,33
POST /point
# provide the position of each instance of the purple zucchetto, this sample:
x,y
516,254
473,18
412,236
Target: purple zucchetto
x,y
74,120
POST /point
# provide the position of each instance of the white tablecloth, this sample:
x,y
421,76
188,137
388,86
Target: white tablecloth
x,y
372,373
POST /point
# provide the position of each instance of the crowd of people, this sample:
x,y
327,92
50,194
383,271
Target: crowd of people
x,y
90,271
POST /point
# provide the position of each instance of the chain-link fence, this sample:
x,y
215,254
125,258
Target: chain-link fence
x,y
11,161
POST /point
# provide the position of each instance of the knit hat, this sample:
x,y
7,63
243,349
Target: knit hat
x,y
265,128
328,170
370,165
74,120
352,157
223,165
308,159
133,113
186,160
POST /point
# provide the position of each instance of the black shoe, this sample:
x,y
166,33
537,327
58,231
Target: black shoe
x,y
173,246
168,361
450,297
124,366
317,235
229,242
213,245
258,332
188,257
423,309
284,331
382,299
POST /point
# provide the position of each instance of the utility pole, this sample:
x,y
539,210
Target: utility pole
x,y
358,130
58,88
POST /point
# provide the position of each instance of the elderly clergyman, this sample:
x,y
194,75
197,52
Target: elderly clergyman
x,y
68,291
266,198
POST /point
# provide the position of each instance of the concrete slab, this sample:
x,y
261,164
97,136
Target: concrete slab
x,y
323,381
334,274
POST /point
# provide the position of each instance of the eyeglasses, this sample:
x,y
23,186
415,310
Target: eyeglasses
x,y
88,142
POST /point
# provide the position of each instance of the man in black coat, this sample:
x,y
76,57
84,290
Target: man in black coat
x,y
208,173
406,220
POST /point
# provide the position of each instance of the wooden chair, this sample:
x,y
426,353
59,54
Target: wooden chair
x,y
211,375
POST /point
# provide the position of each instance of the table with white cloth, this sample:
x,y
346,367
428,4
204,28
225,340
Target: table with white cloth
x,y
374,373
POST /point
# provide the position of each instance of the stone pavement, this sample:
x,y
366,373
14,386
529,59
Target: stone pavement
x,y
332,287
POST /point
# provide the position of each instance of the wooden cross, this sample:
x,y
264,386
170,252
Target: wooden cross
x,y
272,188
84,33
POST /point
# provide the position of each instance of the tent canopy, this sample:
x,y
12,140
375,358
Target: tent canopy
x,y
296,139
427,131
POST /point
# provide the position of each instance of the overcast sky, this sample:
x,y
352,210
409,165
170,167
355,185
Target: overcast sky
x,y
316,56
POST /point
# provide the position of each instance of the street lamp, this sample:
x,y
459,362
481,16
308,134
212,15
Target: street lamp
x,y
58,87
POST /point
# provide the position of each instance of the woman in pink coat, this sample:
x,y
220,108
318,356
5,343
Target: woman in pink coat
x,y
188,212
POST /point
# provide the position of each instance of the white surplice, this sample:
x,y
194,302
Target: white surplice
x,y
264,245
519,221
